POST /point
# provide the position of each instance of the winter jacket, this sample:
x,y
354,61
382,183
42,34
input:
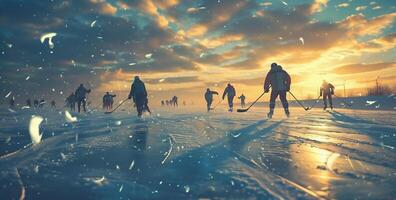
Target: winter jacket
x,y
229,91
209,95
327,88
278,79
81,92
138,89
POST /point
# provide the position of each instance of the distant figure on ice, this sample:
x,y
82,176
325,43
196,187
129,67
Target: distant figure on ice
x,y
29,103
230,92
12,102
42,102
108,101
53,104
280,81
162,103
242,98
174,101
36,103
138,94
80,97
327,90
71,102
209,98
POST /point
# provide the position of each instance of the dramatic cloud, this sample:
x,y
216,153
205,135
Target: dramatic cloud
x,y
192,44
362,68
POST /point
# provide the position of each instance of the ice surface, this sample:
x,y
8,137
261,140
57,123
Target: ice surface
x,y
194,154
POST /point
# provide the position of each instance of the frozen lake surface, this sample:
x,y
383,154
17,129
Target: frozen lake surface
x,y
193,154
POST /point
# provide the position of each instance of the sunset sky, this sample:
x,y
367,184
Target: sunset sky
x,y
183,47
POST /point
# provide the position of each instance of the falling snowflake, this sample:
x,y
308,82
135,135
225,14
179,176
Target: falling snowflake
x,y
301,40
148,56
8,94
69,118
48,36
34,129
93,23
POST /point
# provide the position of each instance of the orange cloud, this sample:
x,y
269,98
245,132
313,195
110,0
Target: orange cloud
x,y
197,30
358,25
104,7
219,41
362,67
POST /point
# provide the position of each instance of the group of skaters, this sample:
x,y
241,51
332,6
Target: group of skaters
x,y
172,102
277,80
79,97
36,103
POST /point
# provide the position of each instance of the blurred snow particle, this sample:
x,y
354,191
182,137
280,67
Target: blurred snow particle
x,y
117,167
34,129
131,64
187,189
8,94
161,80
8,139
265,4
237,135
63,156
148,56
194,10
36,169
201,55
169,152
122,187
9,45
302,40
118,123
27,78
69,118
131,165
25,107
93,23
284,3
370,102
11,110
48,36
99,181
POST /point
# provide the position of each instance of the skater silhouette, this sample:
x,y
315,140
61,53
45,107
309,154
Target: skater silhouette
x,y
327,90
280,81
